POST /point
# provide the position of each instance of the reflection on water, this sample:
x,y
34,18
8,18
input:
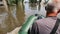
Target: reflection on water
x,y
33,6
20,13
3,16
12,20
17,16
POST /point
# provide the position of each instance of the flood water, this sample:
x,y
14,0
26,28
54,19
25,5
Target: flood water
x,y
17,15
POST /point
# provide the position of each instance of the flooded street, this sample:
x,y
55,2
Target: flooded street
x,y
17,15
13,16
12,20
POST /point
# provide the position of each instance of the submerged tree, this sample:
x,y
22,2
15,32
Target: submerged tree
x,y
22,1
33,1
18,1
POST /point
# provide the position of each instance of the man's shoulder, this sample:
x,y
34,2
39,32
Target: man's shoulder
x,y
45,20
48,18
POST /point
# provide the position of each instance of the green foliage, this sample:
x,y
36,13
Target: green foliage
x,y
11,2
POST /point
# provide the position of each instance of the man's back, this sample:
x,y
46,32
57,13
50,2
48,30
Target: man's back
x,y
44,26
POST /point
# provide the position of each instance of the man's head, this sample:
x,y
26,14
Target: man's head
x,y
56,1
50,9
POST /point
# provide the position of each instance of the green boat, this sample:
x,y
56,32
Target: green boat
x,y
28,23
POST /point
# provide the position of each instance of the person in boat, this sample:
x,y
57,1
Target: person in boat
x,y
45,25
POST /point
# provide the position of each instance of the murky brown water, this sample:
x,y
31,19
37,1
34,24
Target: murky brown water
x,y
17,16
